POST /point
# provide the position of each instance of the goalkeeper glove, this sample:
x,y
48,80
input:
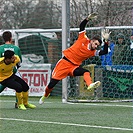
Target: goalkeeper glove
x,y
92,16
105,34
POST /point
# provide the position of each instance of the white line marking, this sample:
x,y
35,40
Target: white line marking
x,y
91,104
115,105
68,124
100,104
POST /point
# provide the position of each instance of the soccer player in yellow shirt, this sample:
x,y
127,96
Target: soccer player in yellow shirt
x,y
9,79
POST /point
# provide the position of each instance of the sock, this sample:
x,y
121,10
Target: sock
x,y
25,97
87,78
19,97
47,91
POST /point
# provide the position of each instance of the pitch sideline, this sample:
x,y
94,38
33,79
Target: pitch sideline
x,y
68,124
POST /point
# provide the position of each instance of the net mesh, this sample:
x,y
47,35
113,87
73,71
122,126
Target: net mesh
x,y
115,70
116,75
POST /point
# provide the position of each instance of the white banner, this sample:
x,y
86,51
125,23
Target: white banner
x,y
36,75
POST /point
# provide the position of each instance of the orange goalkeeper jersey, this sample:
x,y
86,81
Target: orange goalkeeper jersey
x,y
79,51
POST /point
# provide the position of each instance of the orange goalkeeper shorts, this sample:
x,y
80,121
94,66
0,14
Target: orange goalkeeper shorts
x,y
63,69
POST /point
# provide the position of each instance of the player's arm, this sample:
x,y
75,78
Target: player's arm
x,y
83,24
17,61
105,35
104,50
85,21
20,56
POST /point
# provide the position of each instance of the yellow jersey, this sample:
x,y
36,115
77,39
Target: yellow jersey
x,y
7,70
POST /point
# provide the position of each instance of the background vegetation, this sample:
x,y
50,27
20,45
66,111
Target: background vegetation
x,y
18,14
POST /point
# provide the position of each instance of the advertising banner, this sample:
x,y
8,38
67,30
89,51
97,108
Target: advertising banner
x,y
36,75
118,81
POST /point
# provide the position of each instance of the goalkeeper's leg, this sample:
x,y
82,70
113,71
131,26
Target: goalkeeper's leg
x,y
86,75
48,90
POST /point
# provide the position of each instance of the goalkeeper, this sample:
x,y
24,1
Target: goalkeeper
x,y
7,37
82,49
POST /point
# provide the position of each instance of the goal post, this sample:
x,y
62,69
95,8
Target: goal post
x,y
65,40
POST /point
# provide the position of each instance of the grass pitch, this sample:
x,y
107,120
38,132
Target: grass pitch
x,y
56,117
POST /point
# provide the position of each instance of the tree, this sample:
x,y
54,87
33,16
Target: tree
x,y
29,14
47,13
44,16
16,13
111,12
115,13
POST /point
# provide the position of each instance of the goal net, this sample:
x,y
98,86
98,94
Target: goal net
x,y
114,70
42,45
116,75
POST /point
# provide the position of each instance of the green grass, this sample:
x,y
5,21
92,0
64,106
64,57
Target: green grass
x,y
55,117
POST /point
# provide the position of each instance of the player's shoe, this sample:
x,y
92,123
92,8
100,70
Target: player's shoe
x,y
16,105
41,101
29,105
22,107
94,85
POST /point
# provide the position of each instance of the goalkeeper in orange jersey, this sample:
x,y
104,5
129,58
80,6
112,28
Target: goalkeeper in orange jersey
x,y
9,79
82,49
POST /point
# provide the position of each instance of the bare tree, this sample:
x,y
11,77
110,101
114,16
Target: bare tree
x,y
114,13
29,14
16,13
111,12
80,10
47,13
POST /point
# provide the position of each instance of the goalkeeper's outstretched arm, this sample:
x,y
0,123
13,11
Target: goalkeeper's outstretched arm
x,y
105,35
83,24
105,49
85,21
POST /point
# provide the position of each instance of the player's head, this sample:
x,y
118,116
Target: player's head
x,y
9,57
7,36
95,42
